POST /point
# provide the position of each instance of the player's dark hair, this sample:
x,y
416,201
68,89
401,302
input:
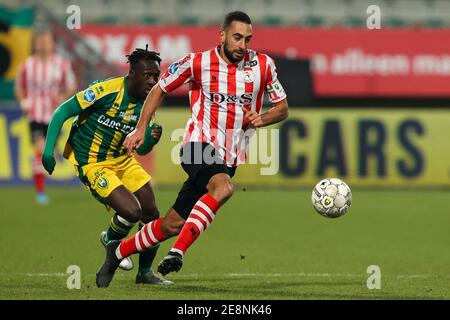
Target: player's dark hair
x,y
141,54
235,16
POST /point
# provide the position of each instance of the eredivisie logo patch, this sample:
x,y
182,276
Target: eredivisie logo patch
x,y
173,68
89,95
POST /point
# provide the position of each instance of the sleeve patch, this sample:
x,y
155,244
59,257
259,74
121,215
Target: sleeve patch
x,y
89,95
173,67
275,91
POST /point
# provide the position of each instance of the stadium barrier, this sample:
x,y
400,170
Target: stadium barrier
x,y
345,62
16,152
349,62
321,62
373,148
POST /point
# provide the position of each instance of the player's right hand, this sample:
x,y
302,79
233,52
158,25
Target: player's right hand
x,y
134,140
49,163
254,118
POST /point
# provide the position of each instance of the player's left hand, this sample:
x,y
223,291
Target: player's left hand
x,y
49,163
156,132
254,118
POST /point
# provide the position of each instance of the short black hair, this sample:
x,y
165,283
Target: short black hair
x,y
235,16
141,54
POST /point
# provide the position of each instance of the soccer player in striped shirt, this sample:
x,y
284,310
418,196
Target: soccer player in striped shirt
x,y
106,112
227,84
43,82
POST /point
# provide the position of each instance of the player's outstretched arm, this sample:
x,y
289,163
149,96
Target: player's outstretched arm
x,y
136,137
279,112
66,110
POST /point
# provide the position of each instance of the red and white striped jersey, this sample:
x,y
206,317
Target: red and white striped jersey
x,y
43,83
220,94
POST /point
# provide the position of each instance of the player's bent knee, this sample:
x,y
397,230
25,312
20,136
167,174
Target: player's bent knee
x,y
166,229
177,226
171,227
149,214
226,192
230,189
222,191
132,214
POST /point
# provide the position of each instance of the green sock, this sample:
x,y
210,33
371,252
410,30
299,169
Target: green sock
x,y
146,258
118,229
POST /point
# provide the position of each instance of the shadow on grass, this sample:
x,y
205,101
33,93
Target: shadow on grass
x,y
292,290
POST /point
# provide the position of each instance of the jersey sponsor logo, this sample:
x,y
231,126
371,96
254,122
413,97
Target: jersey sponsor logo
x,y
251,63
89,95
114,124
173,67
128,117
219,98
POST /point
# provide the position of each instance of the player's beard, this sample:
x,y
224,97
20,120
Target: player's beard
x,y
229,54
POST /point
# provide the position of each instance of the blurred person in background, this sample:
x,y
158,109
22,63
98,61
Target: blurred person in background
x,y
43,82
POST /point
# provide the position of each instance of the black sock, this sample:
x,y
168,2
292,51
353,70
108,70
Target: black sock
x,y
118,229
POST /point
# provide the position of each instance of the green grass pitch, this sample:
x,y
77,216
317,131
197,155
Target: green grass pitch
x,y
264,244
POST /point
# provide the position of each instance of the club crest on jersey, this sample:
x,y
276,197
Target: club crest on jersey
x,y
103,183
89,95
248,76
173,67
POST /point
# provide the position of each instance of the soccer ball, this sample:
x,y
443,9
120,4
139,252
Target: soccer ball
x,y
331,197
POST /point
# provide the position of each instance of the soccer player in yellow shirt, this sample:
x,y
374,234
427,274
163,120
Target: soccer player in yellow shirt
x,y
106,112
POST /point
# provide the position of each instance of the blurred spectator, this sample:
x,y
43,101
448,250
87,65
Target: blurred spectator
x,y
44,81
